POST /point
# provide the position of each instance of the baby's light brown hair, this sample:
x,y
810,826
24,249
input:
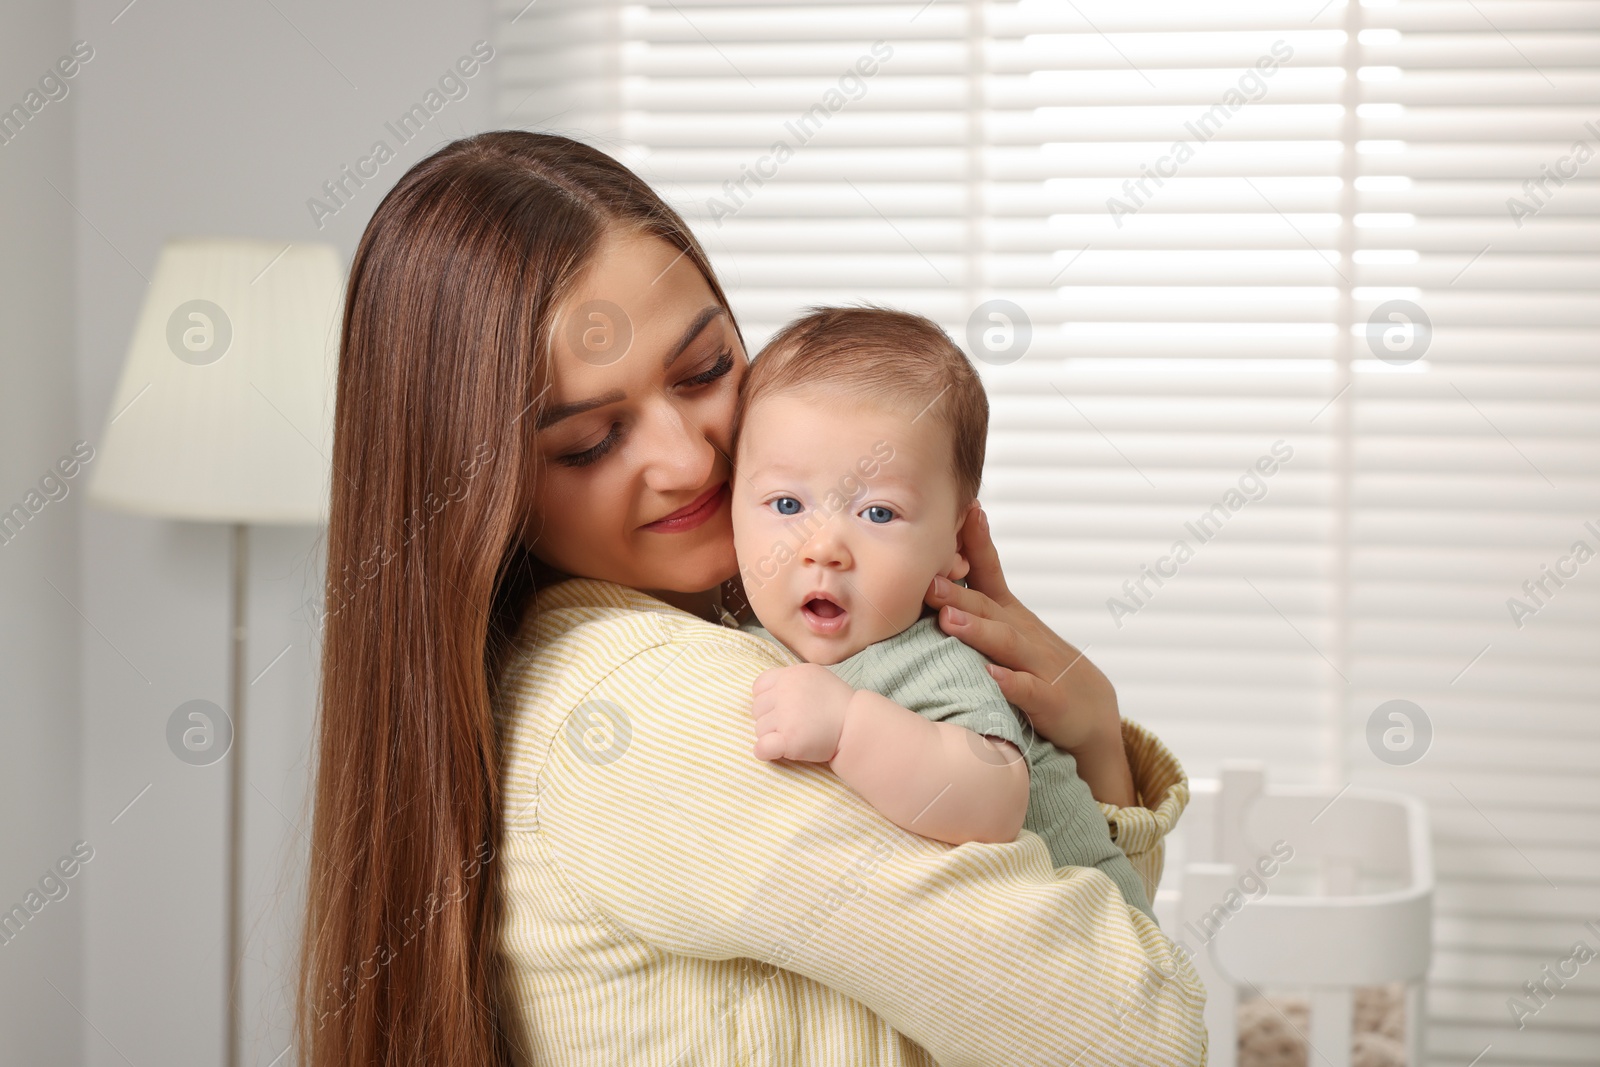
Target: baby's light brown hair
x,y
878,355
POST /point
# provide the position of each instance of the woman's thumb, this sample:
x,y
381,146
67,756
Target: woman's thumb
x,y
985,575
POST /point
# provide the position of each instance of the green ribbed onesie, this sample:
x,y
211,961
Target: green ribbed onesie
x,y
943,679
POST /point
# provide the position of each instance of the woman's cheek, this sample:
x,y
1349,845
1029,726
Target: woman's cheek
x,y
607,504
718,423
563,510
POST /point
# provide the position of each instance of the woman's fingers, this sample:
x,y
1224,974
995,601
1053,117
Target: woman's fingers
x,y
976,544
1015,686
1030,693
943,591
995,639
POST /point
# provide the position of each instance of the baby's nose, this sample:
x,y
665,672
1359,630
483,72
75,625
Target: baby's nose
x,y
827,549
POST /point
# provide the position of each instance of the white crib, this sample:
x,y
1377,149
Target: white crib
x,y
1352,907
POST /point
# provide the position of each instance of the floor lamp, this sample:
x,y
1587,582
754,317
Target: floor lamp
x,y
223,414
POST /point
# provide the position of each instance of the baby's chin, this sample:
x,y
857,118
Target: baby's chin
x,y
821,650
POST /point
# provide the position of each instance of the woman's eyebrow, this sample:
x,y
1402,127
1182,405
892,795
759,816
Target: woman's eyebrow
x,y
550,416
701,321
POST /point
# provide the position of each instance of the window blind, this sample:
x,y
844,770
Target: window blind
x,y
1287,316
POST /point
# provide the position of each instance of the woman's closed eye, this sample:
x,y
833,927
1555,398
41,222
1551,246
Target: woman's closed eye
x,y
723,364
594,452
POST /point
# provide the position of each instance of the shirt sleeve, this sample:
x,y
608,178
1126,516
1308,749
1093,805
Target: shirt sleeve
x,y
1161,792
939,677
981,953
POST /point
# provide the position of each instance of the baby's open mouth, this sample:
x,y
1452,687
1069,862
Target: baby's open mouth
x,y
823,614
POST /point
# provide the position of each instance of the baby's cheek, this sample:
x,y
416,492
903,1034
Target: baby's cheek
x,y
744,534
914,571
761,571
763,595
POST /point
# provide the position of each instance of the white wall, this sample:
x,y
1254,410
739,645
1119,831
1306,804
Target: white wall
x,y
40,772
200,118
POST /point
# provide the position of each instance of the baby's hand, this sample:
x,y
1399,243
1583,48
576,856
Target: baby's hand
x,y
799,712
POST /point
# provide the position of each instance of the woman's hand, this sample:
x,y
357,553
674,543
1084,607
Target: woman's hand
x,y
1066,697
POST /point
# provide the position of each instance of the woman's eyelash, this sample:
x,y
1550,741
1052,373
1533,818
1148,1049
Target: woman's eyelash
x,y
722,366
590,455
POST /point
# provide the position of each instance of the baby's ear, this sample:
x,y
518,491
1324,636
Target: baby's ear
x,y
958,559
960,568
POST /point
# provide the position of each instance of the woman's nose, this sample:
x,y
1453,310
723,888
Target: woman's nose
x,y
681,456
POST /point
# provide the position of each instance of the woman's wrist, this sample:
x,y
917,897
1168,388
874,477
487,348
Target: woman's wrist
x,y
1103,765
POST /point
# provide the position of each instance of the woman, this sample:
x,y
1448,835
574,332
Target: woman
x,y
540,834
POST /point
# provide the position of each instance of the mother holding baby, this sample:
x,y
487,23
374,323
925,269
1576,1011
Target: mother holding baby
x,y
540,833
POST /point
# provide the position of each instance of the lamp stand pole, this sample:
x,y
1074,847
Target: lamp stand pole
x,y
236,774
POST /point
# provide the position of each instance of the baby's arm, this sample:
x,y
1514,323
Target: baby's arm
x,y
937,779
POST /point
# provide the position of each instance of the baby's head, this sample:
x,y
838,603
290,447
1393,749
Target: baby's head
x,y
858,448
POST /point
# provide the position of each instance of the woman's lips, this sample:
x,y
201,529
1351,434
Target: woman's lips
x,y
692,514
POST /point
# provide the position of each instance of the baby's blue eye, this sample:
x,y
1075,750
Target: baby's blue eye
x,y
786,505
878,513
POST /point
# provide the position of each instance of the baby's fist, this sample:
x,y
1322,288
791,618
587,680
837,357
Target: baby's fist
x,y
799,712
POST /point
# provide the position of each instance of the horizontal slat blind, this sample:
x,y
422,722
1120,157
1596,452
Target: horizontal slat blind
x,y
1468,477
1199,208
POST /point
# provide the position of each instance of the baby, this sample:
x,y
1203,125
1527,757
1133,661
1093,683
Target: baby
x,y
858,449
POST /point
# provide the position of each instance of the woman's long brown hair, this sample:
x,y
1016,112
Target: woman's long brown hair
x,y
443,358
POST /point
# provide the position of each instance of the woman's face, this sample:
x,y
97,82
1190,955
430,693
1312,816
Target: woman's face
x,y
632,449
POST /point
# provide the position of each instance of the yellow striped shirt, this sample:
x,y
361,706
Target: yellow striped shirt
x,y
673,900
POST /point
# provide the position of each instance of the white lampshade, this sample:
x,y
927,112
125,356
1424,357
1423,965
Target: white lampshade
x,y
224,411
